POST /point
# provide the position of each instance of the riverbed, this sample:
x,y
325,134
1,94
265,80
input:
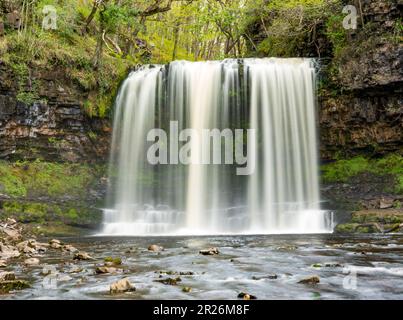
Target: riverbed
x,y
268,267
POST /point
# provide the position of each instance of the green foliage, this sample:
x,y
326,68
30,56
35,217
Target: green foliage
x,y
10,182
343,170
55,180
34,212
336,33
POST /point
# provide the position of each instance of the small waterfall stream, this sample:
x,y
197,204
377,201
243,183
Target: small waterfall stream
x,y
274,98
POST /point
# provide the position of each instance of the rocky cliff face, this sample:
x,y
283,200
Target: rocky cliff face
x,y
366,116
361,102
53,127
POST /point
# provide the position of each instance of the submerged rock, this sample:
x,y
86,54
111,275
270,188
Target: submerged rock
x,y
327,265
170,281
310,280
181,273
103,270
3,264
187,289
82,256
6,276
69,248
109,261
269,276
122,285
10,285
209,252
246,296
31,261
155,248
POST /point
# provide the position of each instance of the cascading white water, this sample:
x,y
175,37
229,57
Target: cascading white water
x,y
275,97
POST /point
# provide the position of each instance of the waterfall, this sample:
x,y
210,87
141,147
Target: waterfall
x,y
184,194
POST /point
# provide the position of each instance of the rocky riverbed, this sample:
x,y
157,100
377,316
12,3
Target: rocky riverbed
x,y
219,267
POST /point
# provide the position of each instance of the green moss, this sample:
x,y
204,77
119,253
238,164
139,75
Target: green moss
x,y
346,228
11,183
54,180
35,212
343,170
11,285
116,261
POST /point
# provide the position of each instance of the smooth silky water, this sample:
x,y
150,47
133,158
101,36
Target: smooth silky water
x,y
245,264
275,97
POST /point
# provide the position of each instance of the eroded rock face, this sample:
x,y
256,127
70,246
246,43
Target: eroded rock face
x,y
54,126
359,123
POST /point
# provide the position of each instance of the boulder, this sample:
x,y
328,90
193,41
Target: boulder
x,y
3,264
11,285
155,248
55,244
31,261
103,270
69,248
120,286
187,289
7,252
310,280
6,276
81,255
170,281
386,203
246,296
11,233
209,252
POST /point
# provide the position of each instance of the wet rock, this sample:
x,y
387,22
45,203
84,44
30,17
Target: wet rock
x,y
6,276
181,273
82,256
75,269
122,285
246,296
23,247
7,252
55,244
287,248
12,234
310,280
109,261
155,248
31,246
48,270
104,270
63,278
269,276
386,203
31,262
327,265
69,248
11,285
170,281
187,289
209,252
3,264
11,221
